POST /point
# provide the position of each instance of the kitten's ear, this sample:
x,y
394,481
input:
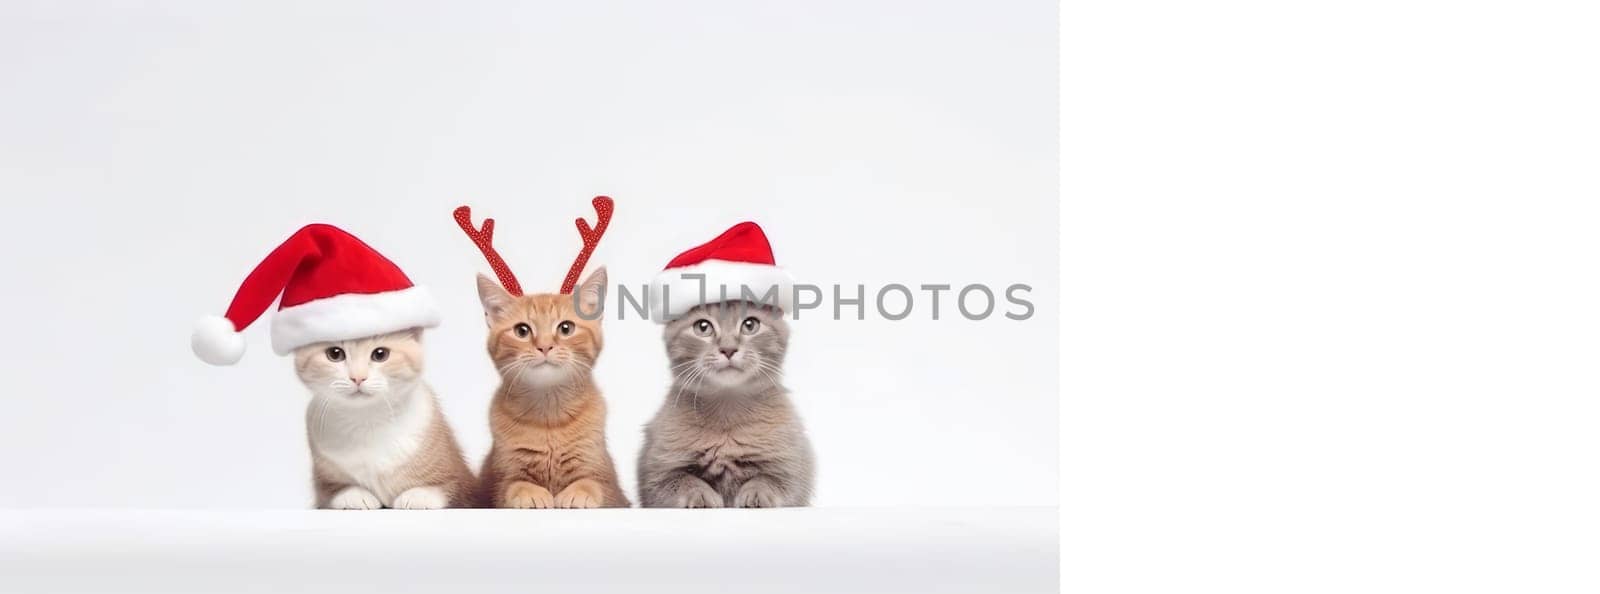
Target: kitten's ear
x,y
494,297
592,290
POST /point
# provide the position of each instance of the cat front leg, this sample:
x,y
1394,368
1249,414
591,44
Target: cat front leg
x,y
681,489
526,495
353,497
429,497
760,491
581,494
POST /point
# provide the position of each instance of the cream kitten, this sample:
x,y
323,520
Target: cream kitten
x,y
377,436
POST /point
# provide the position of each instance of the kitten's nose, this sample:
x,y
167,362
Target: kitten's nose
x,y
729,353
358,380
544,350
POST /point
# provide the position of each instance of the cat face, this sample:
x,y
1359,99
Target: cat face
x,y
540,341
730,344
364,371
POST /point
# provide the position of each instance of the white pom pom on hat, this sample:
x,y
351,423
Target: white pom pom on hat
x,y
333,287
216,342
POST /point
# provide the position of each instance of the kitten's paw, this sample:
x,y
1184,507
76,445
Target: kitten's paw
x,y
526,495
422,498
697,494
756,494
584,494
354,498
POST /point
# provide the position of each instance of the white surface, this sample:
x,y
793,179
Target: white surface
x,y
1333,297
922,551
152,153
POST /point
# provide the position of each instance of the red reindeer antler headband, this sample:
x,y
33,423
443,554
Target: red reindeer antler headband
x,y
591,237
484,238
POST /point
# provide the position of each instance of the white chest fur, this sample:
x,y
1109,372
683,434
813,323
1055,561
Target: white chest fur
x,y
370,443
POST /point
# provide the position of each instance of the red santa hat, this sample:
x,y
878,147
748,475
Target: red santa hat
x,y
334,287
736,263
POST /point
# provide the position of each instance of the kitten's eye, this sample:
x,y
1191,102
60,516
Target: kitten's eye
x,y
334,354
703,327
565,328
380,354
751,325
522,330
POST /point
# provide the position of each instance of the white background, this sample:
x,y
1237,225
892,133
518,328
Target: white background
x,y
150,156
1331,300
1331,297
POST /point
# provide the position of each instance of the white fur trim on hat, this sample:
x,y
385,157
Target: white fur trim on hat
x,y
352,315
672,293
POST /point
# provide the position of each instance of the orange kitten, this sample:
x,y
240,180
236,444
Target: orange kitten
x,y
547,418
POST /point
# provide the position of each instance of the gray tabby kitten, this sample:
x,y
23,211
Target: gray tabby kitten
x,y
727,435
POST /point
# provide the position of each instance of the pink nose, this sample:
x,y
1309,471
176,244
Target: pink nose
x,y
729,353
358,380
544,350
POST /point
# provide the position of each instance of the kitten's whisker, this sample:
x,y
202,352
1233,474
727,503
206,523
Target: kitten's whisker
x,y
772,372
694,393
677,387
694,388
763,371
679,378
776,370
683,375
322,416
692,375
